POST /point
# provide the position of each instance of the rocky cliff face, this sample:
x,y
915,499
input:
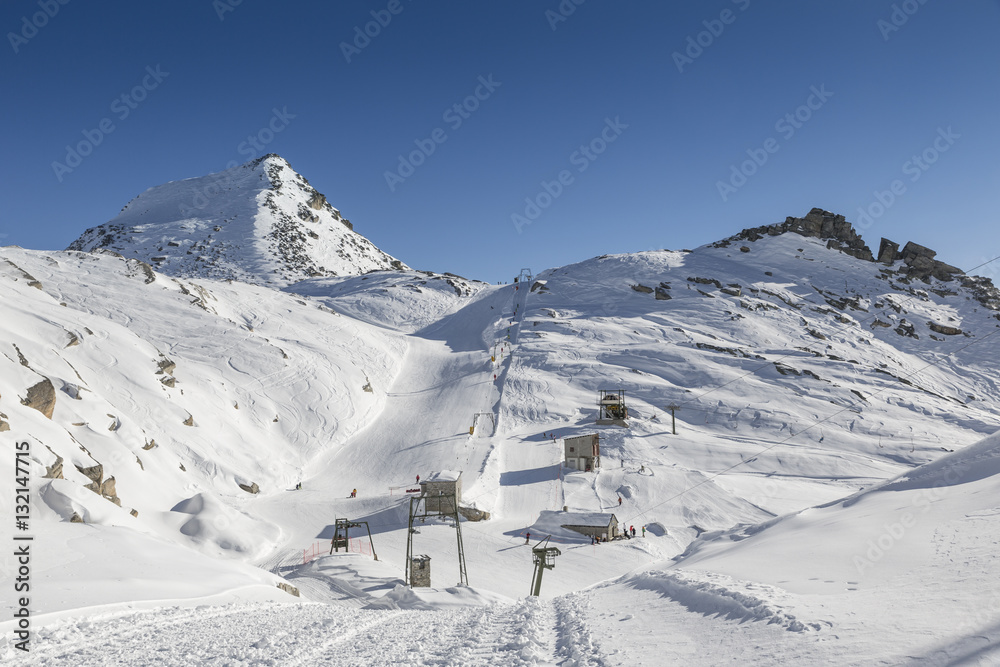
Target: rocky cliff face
x,y
261,223
817,223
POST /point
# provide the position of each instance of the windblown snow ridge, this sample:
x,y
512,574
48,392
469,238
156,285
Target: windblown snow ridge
x,y
717,595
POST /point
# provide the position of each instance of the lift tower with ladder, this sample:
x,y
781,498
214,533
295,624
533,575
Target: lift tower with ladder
x,y
444,506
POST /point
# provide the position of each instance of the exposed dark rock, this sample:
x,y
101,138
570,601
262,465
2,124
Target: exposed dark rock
x,y
817,224
317,201
888,251
662,294
288,588
706,281
164,365
942,329
539,287
983,291
41,397
94,473
472,514
54,471
906,329
252,488
785,369
642,288
108,491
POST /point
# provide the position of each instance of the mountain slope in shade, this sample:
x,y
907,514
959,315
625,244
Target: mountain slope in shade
x,y
260,222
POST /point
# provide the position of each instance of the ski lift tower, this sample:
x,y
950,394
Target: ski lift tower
x,y
544,558
340,538
525,277
442,505
611,410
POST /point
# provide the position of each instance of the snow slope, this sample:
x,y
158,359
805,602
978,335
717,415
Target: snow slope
x,y
791,397
260,222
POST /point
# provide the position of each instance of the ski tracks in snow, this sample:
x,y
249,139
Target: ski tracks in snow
x,y
530,632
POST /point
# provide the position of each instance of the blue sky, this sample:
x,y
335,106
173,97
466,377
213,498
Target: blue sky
x,y
614,127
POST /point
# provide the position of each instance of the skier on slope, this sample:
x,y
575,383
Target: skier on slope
x,y
527,537
619,501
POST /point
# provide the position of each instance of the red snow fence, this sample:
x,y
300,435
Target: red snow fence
x,y
354,545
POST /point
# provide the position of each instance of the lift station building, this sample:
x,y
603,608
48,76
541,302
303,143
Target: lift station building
x,y
582,452
443,491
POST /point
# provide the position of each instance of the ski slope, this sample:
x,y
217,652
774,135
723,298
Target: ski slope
x,y
760,513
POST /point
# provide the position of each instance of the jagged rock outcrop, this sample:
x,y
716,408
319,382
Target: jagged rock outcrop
x,y
818,224
251,488
918,261
41,397
95,474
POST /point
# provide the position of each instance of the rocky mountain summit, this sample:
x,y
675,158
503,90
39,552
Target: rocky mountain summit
x,y
916,261
260,222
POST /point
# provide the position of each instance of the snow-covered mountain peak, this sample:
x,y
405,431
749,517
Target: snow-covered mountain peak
x,y
260,222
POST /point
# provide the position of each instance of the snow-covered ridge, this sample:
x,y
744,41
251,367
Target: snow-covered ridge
x,y
260,222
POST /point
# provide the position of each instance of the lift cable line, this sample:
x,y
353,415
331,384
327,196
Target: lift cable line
x,y
713,476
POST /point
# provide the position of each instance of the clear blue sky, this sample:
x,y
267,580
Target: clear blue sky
x,y
889,91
